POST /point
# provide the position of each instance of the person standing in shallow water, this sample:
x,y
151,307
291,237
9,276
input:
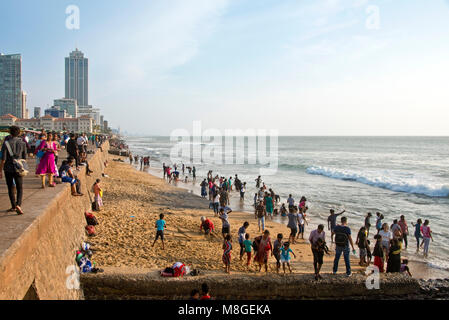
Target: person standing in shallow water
x,y
404,229
418,235
368,223
427,236
269,205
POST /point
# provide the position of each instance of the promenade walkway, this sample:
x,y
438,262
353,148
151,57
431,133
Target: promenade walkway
x,y
35,200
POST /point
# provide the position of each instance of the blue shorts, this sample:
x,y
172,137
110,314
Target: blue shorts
x,y
69,180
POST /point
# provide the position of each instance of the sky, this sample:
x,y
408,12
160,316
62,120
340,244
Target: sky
x,y
302,67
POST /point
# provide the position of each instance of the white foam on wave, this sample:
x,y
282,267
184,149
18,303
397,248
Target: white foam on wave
x,y
386,180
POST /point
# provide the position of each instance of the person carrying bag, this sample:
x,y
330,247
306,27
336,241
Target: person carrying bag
x,y
14,165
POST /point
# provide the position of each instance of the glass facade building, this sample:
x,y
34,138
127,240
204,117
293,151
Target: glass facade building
x,y
77,78
11,85
68,105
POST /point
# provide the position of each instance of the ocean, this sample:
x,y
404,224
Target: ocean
x,y
393,175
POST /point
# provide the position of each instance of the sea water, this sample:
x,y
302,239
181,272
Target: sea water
x,y
393,175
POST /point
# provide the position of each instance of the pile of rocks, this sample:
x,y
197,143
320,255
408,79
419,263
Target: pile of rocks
x,y
434,289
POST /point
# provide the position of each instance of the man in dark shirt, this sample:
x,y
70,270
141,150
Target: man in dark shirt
x,y
332,222
18,148
342,241
72,149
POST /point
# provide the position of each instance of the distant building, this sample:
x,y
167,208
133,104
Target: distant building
x,y
11,96
101,122
105,125
69,105
56,112
78,125
37,112
94,113
77,78
24,105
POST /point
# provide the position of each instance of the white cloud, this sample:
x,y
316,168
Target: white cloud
x,y
164,36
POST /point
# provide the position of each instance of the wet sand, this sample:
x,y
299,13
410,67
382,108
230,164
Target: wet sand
x,y
419,269
133,201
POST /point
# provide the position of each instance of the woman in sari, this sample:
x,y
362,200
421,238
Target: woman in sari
x,y
263,249
46,166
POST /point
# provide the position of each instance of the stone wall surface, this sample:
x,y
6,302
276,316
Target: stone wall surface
x,y
35,265
124,283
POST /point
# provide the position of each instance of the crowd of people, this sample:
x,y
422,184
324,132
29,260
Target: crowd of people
x,y
389,241
44,147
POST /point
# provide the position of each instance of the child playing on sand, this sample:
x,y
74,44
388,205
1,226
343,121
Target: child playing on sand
x,y
160,225
227,248
207,225
405,268
277,245
285,256
98,194
248,248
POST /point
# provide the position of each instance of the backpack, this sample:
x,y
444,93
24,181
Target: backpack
x,y
90,231
20,165
90,219
341,239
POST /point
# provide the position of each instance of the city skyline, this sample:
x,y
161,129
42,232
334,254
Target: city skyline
x,y
354,67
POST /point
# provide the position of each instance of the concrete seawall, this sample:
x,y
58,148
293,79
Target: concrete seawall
x,y
128,283
34,265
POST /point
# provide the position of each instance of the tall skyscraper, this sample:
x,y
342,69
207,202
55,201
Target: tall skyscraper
x,y
77,78
11,85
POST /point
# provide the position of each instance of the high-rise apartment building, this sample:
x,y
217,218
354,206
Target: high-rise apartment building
x,y
77,78
11,95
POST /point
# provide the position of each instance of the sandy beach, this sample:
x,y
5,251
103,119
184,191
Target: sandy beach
x,y
133,201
